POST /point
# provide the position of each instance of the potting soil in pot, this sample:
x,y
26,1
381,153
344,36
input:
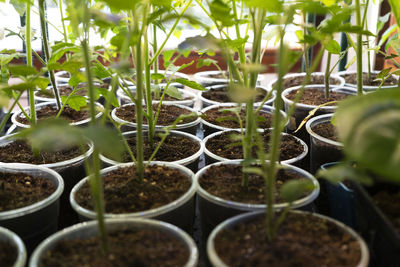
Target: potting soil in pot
x,y
218,117
19,190
326,130
20,151
223,146
221,95
49,111
124,193
63,90
300,241
316,97
388,200
351,78
314,79
144,247
168,114
225,181
8,254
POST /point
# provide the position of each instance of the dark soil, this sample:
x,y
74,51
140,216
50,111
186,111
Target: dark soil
x,y
224,75
222,145
225,181
63,90
175,147
221,95
168,97
124,193
351,78
389,202
49,111
297,81
214,116
301,241
326,130
145,247
20,151
8,254
316,97
168,114
20,190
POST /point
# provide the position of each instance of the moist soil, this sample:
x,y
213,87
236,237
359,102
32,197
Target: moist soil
x,y
223,146
220,75
302,240
168,97
49,111
8,254
316,97
141,247
20,151
175,147
168,114
229,120
388,200
124,193
351,78
225,181
63,90
19,190
297,81
326,130
221,95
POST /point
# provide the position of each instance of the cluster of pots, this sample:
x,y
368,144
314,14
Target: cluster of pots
x,y
37,222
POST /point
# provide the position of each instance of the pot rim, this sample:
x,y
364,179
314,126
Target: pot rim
x,y
184,161
145,126
147,213
53,103
341,184
288,161
317,120
115,224
164,72
209,102
265,108
318,73
216,261
6,234
368,87
27,168
202,76
251,207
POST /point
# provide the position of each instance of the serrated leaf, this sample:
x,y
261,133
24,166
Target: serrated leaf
x,y
333,47
395,44
110,98
41,82
190,84
22,70
75,102
294,189
173,92
205,62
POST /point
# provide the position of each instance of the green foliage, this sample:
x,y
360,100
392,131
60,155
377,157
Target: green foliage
x,y
221,13
294,189
395,5
22,70
75,102
173,92
191,84
333,47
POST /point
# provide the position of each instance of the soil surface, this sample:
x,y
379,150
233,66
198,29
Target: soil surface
x,y
8,254
124,193
316,97
326,130
229,119
225,181
222,145
20,151
49,111
297,81
221,75
389,202
300,241
20,190
221,95
63,90
145,247
175,147
168,114
167,97
351,78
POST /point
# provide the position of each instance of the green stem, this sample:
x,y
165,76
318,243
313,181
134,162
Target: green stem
x,y
327,75
47,51
241,50
359,50
63,21
149,102
29,61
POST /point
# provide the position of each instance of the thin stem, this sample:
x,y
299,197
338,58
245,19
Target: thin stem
x,y
359,50
29,61
63,21
149,106
241,50
8,115
327,75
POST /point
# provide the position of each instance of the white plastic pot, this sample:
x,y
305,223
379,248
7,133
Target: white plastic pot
x,y
367,88
204,78
15,241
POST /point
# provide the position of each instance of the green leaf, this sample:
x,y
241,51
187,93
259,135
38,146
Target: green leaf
x,y
22,70
333,47
294,189
157,76
167,55
395,44
109,98
341,172
270,5
60,49
254,170
19,5
190,84
253,68
205,62
75,102
121,4
395,5
41,82
100,71
173,92
221,13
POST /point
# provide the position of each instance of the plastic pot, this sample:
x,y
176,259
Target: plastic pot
x,y
205,78
214,210
190,127
367,88
167,73
191,162
35,222
229,224
208,102
210,128
59,76
191,97
338,81
15,241
211,157
179,212
38,106
90,229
